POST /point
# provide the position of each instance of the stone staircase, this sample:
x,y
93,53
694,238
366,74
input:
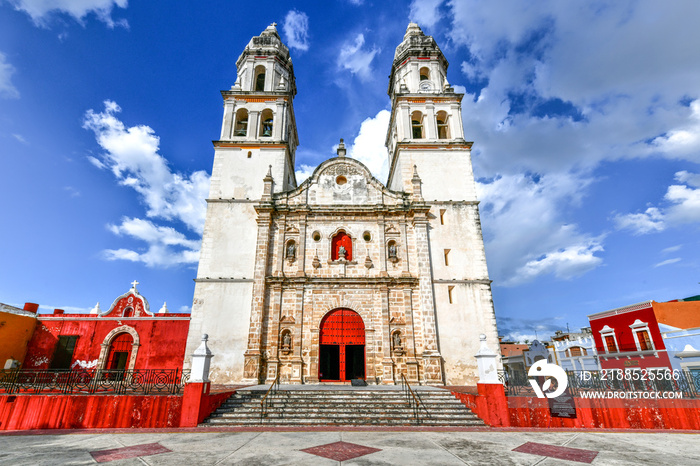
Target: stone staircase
x,y
328,406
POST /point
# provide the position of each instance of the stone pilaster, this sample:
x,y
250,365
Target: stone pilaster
x,y
252,358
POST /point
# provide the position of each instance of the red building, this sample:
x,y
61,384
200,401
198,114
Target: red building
x,y
128,336
629,337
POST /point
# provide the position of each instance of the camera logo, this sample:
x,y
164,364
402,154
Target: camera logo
x,y
544,369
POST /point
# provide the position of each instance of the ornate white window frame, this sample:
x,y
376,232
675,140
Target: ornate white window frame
x,y
605,332
104,350
637,327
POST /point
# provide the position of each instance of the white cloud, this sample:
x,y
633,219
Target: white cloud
x,y
683,141
42,10
166,246
296,30
368,147
526,236
356,59
649,221
72,192
682,207
425,12
20,138
132,155
685,200
566,263
671,249
668,261
556,88
303,172
7,89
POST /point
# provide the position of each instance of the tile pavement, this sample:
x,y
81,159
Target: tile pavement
x,y
349,447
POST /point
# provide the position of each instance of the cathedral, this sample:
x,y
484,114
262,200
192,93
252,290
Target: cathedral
x,y
342,276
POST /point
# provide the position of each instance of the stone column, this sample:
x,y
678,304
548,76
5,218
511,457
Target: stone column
x,y
227,124
429,122
277,133
456,129
253,124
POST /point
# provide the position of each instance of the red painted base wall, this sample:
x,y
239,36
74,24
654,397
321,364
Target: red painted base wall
x,y
615,414
24,412
594,414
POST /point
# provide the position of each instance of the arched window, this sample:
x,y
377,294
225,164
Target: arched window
x,y
424,73
266,122
341,247
128,312
241,127
442,127
417,125
259,79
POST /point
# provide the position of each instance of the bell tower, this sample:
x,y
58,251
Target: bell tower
x,y
258,128
253,158
426,137
425,129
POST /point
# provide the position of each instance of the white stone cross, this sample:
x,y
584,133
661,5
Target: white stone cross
x,y
134,283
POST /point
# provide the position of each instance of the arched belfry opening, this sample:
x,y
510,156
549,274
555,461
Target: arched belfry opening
x,y
341,346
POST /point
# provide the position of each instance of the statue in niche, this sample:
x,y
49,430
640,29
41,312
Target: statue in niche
x,y
341,252
291,250
392,250
286,340
397,340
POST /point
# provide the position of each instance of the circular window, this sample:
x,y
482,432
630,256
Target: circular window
x,y
341,180
316,236
367,236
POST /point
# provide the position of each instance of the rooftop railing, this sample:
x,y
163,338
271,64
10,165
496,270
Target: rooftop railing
x,y
90,381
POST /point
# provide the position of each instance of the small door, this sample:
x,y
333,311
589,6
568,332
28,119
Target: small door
x,y
354,362
329,367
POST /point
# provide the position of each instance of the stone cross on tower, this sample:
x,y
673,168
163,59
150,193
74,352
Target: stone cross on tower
x,y
134,283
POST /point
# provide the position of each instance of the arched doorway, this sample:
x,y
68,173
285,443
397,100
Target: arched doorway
x,y
119,352
342,346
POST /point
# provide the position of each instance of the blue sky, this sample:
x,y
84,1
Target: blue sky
x,y
585,118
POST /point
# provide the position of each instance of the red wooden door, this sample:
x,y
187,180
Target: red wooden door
x,y
341,327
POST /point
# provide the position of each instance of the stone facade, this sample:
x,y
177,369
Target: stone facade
x,y
407,256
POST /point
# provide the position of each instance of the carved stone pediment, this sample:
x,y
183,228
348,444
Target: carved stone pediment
x,y
391,230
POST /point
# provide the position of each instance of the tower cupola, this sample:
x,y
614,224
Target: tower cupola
x,y
419,65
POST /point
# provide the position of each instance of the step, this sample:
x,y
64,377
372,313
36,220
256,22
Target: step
x,y
342,407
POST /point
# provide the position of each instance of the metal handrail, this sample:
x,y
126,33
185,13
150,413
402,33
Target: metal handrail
x,y
263,406
416,399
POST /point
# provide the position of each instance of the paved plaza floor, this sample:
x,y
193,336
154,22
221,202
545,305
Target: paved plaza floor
x,y
408,446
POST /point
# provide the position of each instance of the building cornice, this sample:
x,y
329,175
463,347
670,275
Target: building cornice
x,y
622,310
374,282
223,280
126,319
480,281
